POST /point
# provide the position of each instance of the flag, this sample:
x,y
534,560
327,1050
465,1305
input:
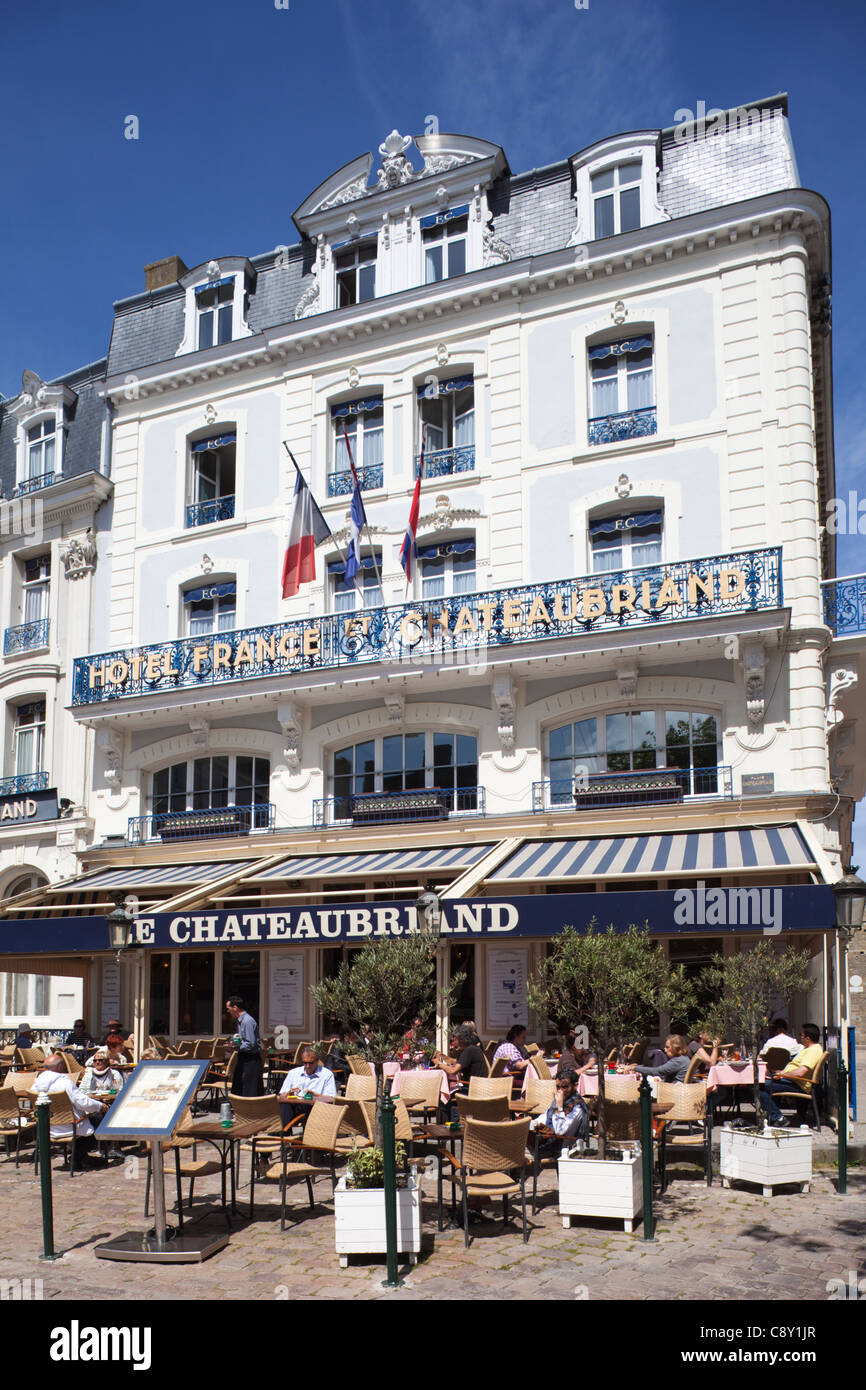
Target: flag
x,y
357,520
307,529
407,550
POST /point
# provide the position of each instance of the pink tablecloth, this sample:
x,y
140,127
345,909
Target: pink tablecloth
x,y
399,1076
530,1071
724,1074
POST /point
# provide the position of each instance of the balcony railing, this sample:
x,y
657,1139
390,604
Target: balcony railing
x,y
654,786
370,475
445,461
628,424
204,513
26,637
460,630
32,484
381,808
845,605
24,782
200,825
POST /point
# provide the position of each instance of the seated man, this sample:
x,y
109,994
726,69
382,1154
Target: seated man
x,y
796,1076
54,1078
780,1037
311,1078
24,1037
567,1116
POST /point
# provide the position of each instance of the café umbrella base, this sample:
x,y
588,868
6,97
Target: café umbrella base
x,y
359,1220
772,1158
611,1188
143,1247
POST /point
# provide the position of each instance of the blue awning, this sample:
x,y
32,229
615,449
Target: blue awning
x,y
664,856
429,391
618,349
214,284
201,445
437,218
367,563
612,525
163,875
212,591
356,407
433,552
401,861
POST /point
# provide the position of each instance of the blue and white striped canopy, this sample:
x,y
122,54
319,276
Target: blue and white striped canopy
x,y
649,856
397,861
163,875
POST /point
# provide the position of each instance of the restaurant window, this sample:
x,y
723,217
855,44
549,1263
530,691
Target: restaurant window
x,y
17,993
635,741
356,274
195,993
694,955
462,962
205,784
444,237
159,1007
211,495
625,541
241,972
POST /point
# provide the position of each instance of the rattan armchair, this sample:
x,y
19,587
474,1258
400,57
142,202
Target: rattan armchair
x,y
493,1108
483,1087
493,1163
621,1086
776,1058
319,1138
361,1087
62,1113
359,1066
419,1091
539,1094
797,1098
13,1124
687,1130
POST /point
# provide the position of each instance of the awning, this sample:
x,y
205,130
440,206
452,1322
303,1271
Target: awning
x,y
648,856
164,875
402,861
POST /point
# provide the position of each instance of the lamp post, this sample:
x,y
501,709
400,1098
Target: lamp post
x,y
119,925
850,894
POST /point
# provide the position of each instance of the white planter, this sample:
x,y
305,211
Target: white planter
x,y
360,1220
596,1187
770,1159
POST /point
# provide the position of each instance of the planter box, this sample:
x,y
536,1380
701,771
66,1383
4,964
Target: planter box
x,y
771,1159
592,1187
360,1220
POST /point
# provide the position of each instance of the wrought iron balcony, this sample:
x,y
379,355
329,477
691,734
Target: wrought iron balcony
x,y
24,782
200,825
26,637
652,786
458,630
204,513
445,461
32,484
628,424
370,475
380,808
845,605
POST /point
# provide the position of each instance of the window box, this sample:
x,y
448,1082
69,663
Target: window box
x,y
634,789
431,804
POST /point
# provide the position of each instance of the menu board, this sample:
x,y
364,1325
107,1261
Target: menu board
x,y
153,1101
109,1000
286,1002
506,988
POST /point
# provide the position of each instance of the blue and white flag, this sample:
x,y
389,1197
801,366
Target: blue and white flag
x,y
357,520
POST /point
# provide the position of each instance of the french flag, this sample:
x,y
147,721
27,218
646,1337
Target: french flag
x,y
408,548
307,529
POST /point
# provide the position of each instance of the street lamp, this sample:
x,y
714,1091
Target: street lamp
x,y
850,894
429,910
119,923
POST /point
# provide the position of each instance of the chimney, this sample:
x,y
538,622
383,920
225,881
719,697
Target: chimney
x,y
165,272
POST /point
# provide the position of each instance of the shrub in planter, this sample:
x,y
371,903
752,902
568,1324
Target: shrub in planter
x,y
359,1207
366,1167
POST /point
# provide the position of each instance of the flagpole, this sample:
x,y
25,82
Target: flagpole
x,y
415,566
366,522
297,469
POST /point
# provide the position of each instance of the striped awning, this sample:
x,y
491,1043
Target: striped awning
x,y
163,875
455,858
650,856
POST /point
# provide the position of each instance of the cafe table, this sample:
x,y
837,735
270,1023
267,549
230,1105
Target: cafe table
x,y
587,1082
210,1130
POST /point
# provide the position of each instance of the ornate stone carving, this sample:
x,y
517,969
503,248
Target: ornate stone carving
x,y
623,486
754,670
33,389
353,377
200,730
307,304
396,707
441,163
619,313
79,555
842,678
356,188
445,515
442,354
504,700
627,680
110,742
353,226
206,564
396,168
290,719
213,270
496,251
210,414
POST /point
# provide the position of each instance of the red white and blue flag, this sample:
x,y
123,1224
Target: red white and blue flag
x,y
307,529
408,549
357,520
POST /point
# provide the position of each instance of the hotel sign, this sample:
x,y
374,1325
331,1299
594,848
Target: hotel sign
x,y
28,807
442,631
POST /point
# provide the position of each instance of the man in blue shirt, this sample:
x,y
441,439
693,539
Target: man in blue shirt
x,y
312,1078
247,1080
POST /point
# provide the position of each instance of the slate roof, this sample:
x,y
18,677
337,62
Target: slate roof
x,y
84,433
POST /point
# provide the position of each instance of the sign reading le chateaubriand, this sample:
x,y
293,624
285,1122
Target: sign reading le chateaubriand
x,y
28,807
456,629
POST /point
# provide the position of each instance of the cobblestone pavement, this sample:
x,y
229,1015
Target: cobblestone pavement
x,y
711,1243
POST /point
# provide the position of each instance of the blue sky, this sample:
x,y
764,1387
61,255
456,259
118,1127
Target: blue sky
x,y
243,108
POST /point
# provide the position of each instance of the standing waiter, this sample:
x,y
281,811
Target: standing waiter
x,y
247,1080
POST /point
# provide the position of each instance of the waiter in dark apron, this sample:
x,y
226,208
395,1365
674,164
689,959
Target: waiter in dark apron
x,y
247,1080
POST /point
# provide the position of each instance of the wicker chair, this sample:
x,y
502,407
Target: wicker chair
x,y
635,1053
361,1087
358,1127
203,1048
542,1070
28,1058
622,1120
217,1080
483,1087
12,1123
319,1137
299,1051
691,1073
419,1091
493,1164
62,1113
359,1066
687,1131
796,1098
539,1094
265,1110
776,1058
472,1108
499,1067
622,1086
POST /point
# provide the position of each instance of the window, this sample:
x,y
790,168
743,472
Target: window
x,y
447,413
407,762
214,306
634,741
36,586
206,784
626,542
356,274
363,421
41,441
616,199
29,738
444,239
345,595
212,480
211,609
622,400
447,568
16,994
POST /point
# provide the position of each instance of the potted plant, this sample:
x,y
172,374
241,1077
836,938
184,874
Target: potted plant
x,y
359,1206
617,982
751,986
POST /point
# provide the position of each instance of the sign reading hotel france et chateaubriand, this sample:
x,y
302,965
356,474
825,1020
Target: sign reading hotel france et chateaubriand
x,y
438,631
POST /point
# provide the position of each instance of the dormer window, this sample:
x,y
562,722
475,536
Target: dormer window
x,y
40,450
616,199
214,305
356,274
444,238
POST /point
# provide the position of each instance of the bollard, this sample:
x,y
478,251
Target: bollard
x,y
43,1122
646,1140
842,1125
390,1186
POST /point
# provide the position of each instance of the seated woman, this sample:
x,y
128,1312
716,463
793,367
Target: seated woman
x,y
99,1075
675,1068
513,1051
705,1047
